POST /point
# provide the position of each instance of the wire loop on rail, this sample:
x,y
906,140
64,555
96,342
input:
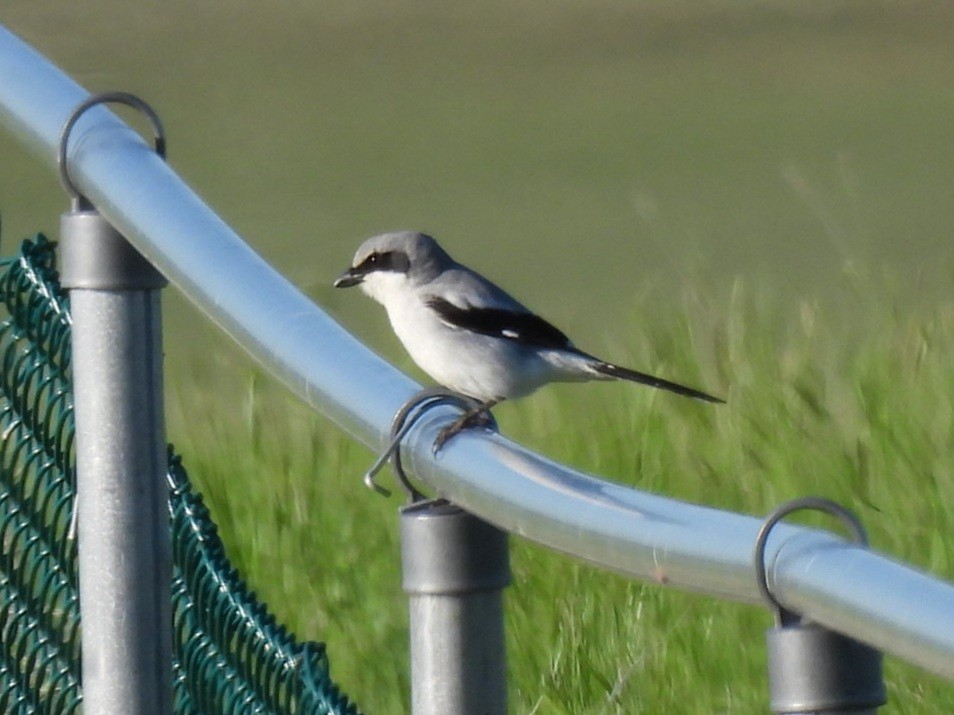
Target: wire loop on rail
x,y
813,503
126,98
405,418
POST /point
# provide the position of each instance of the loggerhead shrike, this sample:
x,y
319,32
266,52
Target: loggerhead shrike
x,y
468,334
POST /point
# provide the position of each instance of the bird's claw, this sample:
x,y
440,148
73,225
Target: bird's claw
x,y
470,420
444,435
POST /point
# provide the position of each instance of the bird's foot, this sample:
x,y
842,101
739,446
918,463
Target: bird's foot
x,y
478,417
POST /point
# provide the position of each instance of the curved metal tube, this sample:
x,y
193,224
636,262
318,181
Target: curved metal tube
x,y
846,587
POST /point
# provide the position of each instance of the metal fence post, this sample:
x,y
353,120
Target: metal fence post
x,y
123,519
455,568
815,670
812,669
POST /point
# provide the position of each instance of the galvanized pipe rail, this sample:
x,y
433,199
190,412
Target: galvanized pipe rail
x,y
848,588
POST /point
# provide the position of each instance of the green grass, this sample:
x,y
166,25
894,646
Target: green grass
x,y
759,190
859,412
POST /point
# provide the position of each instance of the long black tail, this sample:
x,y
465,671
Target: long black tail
x,y
605,368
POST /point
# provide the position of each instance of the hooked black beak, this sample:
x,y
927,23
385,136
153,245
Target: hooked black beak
x,y
347,279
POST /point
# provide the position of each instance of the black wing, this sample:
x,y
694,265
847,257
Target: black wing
x,y
520,327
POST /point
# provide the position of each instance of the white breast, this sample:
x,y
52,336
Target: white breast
x,y
484,367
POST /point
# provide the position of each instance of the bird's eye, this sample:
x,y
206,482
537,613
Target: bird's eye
x,y
391,261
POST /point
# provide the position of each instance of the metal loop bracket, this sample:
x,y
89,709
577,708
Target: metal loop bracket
x,y
806,503
126,98
405,418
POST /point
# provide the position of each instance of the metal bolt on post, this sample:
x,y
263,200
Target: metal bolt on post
x,y
811,668
125,563
455,568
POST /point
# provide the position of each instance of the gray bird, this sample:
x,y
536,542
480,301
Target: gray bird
x,y
468,334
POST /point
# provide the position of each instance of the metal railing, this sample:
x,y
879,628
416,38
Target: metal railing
x,y
888,605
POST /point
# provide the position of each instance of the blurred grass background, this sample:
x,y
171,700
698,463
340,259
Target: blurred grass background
x,y
756,191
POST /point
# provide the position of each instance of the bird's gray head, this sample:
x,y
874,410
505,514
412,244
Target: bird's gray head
x,y
392,258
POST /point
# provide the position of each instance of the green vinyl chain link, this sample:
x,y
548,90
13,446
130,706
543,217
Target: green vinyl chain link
x,y
230,655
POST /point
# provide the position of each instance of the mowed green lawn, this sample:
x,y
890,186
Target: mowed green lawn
x,y
752,197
